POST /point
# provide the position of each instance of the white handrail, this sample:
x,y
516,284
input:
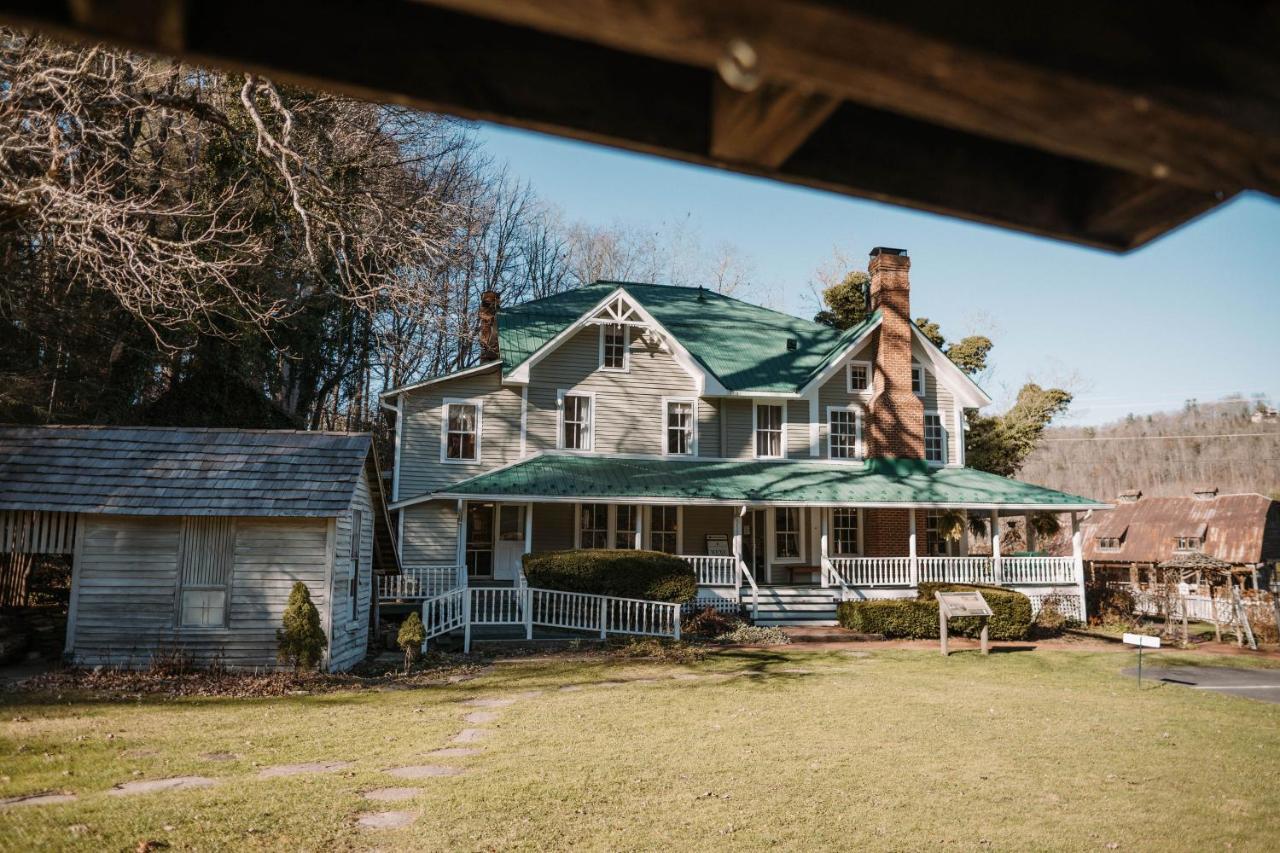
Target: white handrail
x,y
1037,570
712,571
444,613
755,590
978,570
831,577
417,582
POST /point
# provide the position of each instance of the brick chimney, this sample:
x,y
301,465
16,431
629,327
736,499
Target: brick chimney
x,y
488,331
896,414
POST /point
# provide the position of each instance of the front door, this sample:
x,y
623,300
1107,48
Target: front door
x,y
510,546
480,541
753,543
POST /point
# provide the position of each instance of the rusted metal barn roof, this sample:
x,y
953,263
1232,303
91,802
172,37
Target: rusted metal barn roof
x,y
179,471
1106,124
1240,529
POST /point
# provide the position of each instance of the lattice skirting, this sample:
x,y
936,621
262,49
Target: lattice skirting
x,y
1068,605
721,605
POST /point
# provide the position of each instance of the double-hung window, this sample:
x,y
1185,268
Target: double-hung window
x,y
844,434
859,377
461,431
844,529
593,526
614,352
207,555
917,379
624,531
935,439
769,430
576,421
664,529
681,427
786,534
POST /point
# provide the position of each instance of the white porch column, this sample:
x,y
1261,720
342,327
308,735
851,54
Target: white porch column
x,y
528,539
737,547
823,512
995,547
911,547
964,537
462,543
638,512
1031,532
1077,562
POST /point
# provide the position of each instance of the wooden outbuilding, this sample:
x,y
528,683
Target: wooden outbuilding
x,y
190,540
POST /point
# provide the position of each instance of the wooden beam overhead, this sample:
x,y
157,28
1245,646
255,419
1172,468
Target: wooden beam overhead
x,y
764,127
1099,135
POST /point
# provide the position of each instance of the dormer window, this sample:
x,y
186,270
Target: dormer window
x,y
1108,543
917,380
859,377
615,354
1186,543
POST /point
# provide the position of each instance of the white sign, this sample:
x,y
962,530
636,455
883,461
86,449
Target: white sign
x,y
1142,640
717,545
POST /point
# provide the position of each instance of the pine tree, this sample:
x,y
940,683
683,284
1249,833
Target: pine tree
x,y
301,641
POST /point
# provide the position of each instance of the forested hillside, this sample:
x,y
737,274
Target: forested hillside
x,y
1216,444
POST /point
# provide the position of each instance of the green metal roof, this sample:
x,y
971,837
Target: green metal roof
x,y
753,356
877,482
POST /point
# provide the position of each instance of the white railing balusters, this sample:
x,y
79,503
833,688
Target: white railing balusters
x,y
713,571
417,582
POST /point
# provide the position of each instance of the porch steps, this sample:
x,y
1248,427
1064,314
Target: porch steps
x,y
788,606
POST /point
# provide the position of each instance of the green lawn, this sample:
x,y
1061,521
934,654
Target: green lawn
x,y
883,750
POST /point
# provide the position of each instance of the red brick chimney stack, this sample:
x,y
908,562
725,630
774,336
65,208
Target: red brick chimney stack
x,y
488,331
896,414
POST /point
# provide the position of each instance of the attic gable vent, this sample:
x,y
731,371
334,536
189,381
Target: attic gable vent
x,y
1130,496
1205,493
792,344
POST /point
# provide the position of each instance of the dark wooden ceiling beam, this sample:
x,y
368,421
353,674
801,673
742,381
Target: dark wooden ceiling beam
x,y
430,58
765,126
857,51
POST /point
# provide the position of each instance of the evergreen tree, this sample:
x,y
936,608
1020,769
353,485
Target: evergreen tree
x,y
410,639
301,641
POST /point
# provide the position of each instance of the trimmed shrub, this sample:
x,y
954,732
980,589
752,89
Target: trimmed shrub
x,y
650,575
301,641
410,638
917,618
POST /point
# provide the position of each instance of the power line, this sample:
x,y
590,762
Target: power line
x,y
1168,437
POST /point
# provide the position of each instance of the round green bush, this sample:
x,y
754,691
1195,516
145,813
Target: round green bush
x,y
917,618
650,575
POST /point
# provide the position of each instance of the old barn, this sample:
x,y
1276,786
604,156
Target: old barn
x,y
191,539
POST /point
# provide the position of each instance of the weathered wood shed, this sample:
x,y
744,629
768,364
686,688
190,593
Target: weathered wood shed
x,y
192,539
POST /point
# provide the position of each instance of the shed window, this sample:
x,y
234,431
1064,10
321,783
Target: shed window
x,y
208,552
462,432
357,531
768,430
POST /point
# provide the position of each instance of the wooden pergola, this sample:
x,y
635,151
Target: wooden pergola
x,y
1101,124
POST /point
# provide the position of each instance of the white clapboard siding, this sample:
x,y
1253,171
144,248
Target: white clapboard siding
x,y
430,534
349,639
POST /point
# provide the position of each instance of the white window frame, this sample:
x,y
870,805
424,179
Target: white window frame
x,y
848,377
946,443
1111,549
1195,543
608,523
774,559
859,451
444,429
187,592
835,539
612,528
353,582
693,426
923,390
649,531
591,419
626,347
755,428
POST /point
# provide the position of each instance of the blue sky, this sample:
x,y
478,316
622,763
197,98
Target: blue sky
x,y
1195,314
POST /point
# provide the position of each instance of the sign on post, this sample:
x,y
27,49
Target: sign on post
x,y
1142,641
952,605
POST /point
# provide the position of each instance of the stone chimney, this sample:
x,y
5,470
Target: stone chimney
x,y
488,331
896,414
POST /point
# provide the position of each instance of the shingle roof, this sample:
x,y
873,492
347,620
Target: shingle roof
x,y
178,471
742,345
878,481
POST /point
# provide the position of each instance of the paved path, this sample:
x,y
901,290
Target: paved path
x,y
1260,684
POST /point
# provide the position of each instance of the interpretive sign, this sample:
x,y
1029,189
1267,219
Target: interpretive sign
x,y
952,605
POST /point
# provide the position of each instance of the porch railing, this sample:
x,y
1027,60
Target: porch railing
x,y
528,606
418,582
714,571
957,570
1037,570
871,571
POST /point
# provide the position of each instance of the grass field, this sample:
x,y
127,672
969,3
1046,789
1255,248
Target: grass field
x,y
874,750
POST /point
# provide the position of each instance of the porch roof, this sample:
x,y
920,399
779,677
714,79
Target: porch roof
x,y
876,482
